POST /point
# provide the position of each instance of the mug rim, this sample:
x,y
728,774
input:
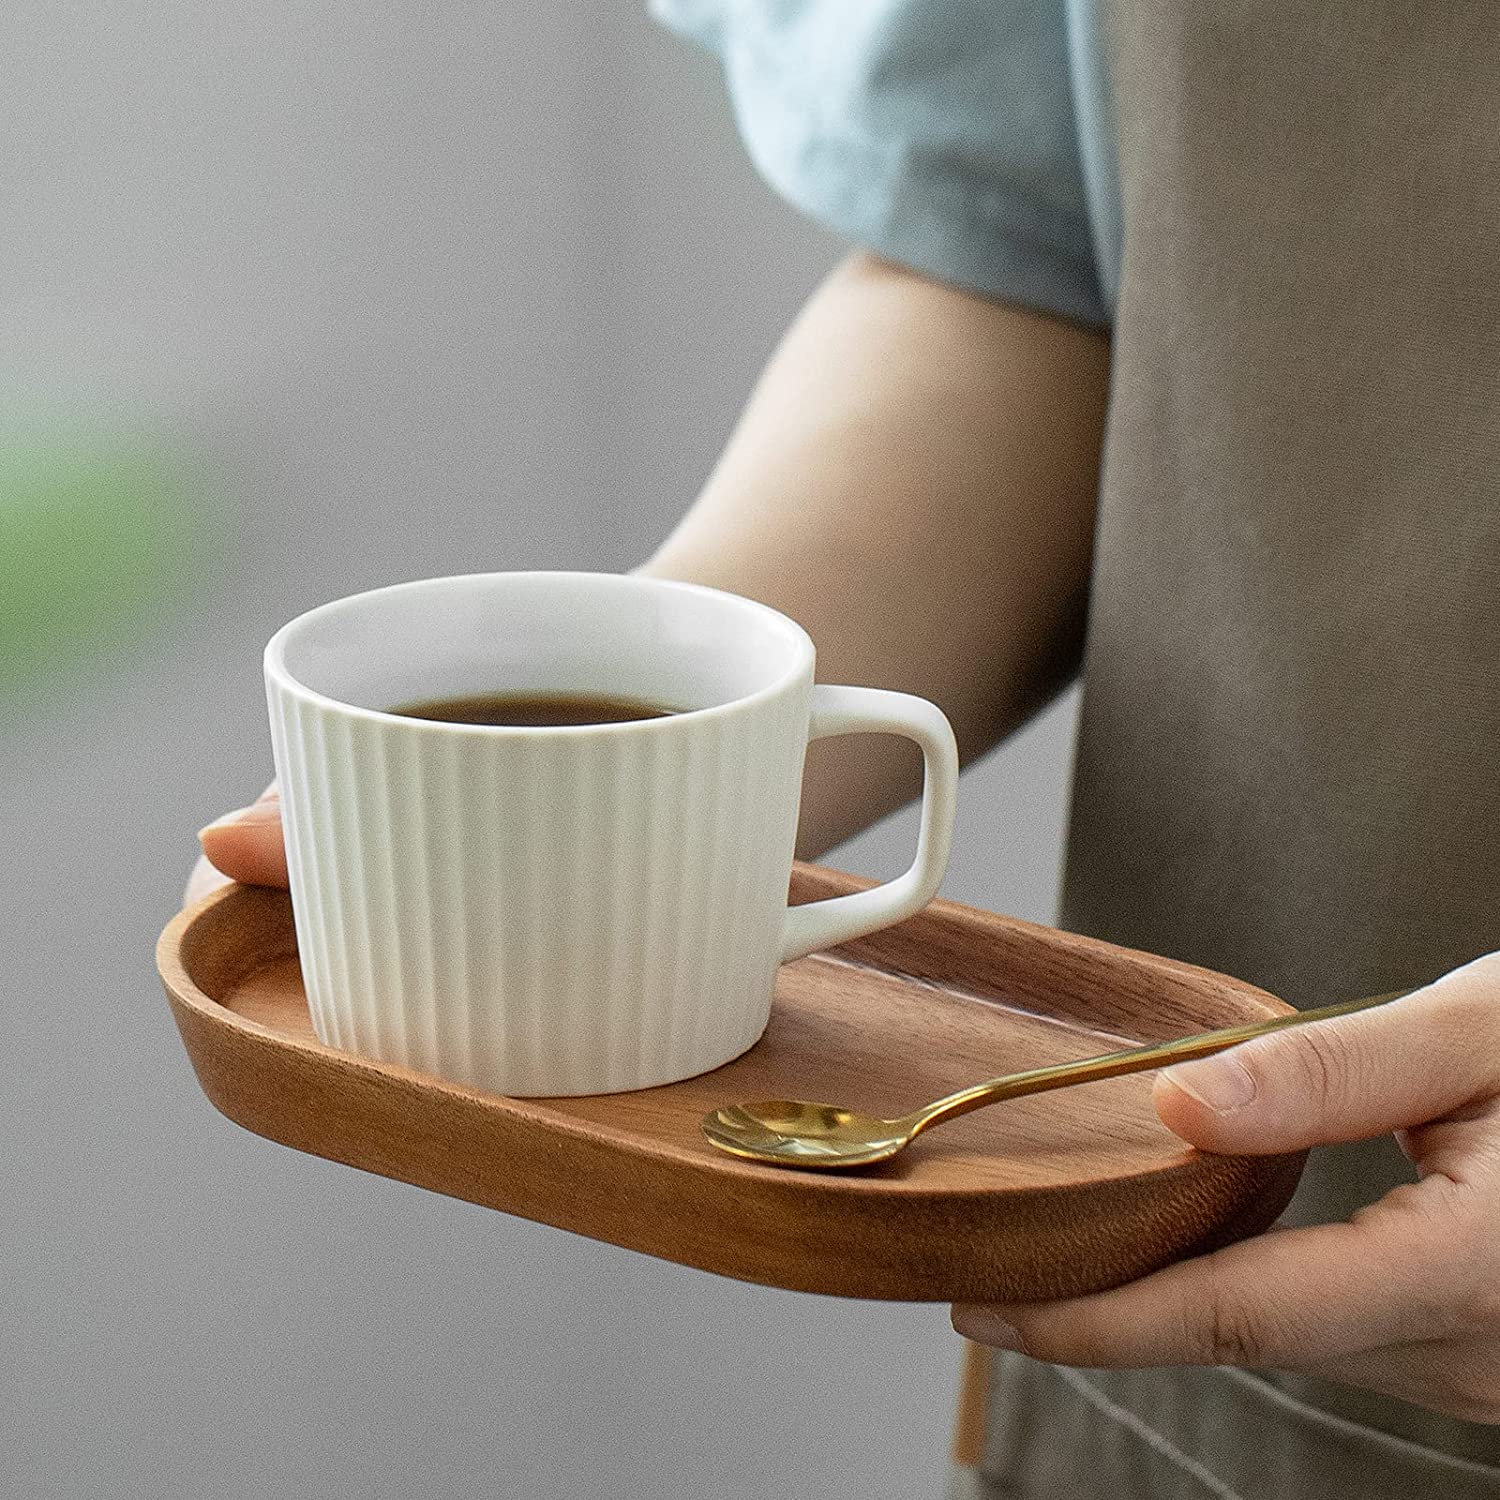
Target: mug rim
x,y
281,676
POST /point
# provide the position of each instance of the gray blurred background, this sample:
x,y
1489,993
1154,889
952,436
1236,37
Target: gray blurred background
x,y
403,290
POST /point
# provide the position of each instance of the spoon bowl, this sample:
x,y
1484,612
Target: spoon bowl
x,y
800,1133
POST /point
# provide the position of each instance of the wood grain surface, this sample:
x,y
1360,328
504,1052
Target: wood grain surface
x,y
1051,1196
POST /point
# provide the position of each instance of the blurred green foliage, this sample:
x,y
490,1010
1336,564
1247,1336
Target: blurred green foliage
x,y
96,538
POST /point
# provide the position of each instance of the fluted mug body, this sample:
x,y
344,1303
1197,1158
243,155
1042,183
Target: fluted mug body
x,y
552,910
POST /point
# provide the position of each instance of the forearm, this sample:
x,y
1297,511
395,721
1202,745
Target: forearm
x,y
913,480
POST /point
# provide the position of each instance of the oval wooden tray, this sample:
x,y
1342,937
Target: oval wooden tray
x,y
1052,1196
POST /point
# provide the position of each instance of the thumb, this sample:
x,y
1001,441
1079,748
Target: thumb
x,y
1399,1065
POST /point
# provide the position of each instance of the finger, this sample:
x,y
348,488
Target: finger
x,y
247,845
1277,1301
1402,1064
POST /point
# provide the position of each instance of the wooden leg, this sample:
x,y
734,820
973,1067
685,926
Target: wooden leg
x,y
972,1420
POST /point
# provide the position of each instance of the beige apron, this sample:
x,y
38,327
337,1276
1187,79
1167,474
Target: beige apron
x,y
1289,763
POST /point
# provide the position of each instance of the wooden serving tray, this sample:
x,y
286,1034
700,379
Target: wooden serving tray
x,y
1045,1197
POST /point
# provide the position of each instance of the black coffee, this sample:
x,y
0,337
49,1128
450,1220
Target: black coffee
x,y
533,710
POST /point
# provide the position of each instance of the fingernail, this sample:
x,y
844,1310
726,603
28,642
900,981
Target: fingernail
x,y
1223,1084
242,817
985,1328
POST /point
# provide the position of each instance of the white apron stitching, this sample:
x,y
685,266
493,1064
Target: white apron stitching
x,y
1153,1439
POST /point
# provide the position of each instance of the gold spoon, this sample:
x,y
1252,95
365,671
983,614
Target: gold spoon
x,y
797,1133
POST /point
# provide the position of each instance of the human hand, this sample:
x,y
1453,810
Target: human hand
x,y
244,845
1404,1298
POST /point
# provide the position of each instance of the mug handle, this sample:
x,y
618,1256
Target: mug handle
x,y
861,710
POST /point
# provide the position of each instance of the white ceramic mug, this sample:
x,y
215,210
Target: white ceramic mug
x,y
568,910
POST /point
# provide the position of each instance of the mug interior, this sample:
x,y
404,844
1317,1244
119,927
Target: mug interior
x,y
676,645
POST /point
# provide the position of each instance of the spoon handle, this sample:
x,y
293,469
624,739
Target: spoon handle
x,y
1131,1060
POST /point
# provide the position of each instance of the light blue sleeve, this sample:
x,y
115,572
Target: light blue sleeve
x,y
938,133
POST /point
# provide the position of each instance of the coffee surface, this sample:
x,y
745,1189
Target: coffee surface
x,y
533,710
